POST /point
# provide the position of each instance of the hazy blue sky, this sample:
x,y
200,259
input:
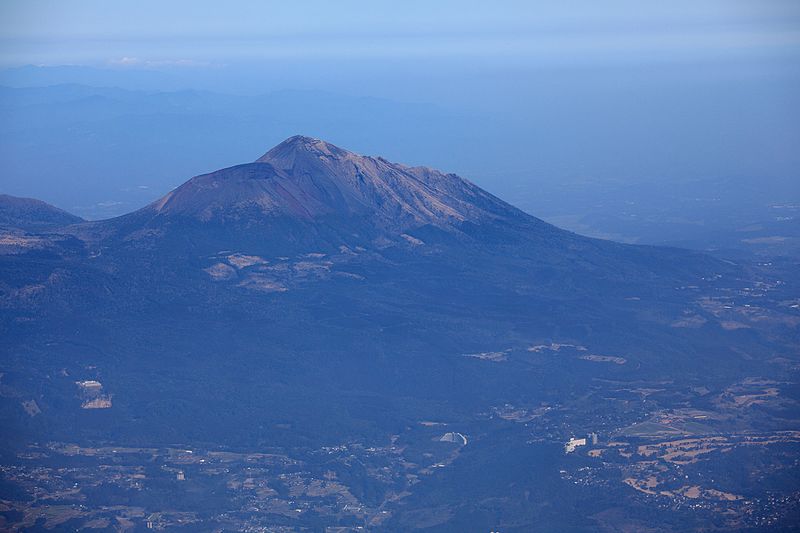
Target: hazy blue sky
x,y
200,32
516,95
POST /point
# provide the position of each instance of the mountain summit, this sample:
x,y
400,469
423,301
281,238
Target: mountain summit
x,y
304,179
286,153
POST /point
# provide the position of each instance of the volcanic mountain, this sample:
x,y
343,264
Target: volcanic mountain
x,y
316,295
308,213
306,195
309,179
309,193
360,322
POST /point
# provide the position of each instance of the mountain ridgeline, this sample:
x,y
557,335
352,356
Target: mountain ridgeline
x,y
309,192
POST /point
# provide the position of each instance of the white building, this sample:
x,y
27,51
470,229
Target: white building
x,y
455,437
573,443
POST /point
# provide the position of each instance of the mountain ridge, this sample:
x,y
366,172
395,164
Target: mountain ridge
x,y
31,214
307,178
306,193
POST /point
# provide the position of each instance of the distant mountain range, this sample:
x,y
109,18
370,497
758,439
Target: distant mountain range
x,y
316,296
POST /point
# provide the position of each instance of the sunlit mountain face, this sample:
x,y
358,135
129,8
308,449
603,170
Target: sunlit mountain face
x,y
320,339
